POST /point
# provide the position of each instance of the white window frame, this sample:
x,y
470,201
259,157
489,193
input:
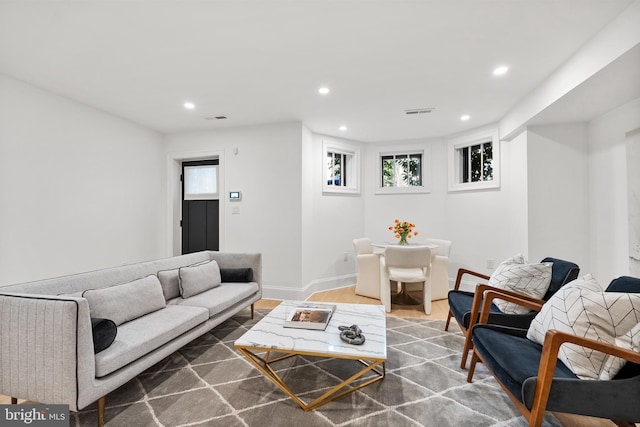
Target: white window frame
x,y
453,155
425,151
352,152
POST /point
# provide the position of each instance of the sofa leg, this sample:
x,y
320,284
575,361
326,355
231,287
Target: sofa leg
x,y
252,311
101,411
14,400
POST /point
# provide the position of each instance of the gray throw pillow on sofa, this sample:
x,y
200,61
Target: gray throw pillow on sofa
x,y
169,281
127,301
198,278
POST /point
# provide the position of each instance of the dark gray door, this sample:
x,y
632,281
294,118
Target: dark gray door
x,y
200,217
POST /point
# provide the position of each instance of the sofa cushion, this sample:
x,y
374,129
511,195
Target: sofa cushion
x,y
220,298
238,275
169,281
127,301
514,274
104,332
145,334
198,278
582,308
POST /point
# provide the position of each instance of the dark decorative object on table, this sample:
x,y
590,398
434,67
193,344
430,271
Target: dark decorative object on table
x,y
351,334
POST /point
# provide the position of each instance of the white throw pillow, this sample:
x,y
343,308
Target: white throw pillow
x,y
613,364
584,309
514,274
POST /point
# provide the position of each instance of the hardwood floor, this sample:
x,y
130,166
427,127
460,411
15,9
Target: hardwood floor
x,y
439,311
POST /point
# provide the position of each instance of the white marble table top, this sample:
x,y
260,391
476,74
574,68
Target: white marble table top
x,y
270,334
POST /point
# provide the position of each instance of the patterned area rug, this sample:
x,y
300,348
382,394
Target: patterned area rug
x,y
208,383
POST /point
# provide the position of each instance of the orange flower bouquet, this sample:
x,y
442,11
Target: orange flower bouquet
x,y
403,230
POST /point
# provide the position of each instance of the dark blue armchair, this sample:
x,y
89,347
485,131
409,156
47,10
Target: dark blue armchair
x,y
465,306
536,381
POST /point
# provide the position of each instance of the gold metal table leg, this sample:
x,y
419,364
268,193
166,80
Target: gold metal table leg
x,y
336,392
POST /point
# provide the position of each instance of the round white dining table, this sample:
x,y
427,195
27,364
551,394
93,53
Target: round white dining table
x,y
382,245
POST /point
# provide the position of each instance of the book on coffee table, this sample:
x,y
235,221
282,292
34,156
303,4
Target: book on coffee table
x,y
310,316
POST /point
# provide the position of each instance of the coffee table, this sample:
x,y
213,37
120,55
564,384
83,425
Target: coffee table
x,y
269,342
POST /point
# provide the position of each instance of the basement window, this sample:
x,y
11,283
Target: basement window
x,y
402,170
474,161
341,169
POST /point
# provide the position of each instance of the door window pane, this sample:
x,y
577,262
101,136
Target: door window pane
x,y
201,182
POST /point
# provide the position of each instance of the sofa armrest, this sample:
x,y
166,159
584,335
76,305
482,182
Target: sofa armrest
x,y
43,337
240,260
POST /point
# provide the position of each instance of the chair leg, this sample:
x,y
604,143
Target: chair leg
x,y
468,345
536,417
472,367
449,316
252,311
101,411
426,297
14,400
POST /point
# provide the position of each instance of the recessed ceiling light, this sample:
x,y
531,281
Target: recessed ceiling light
x,y
342,128
323,90
465,117
189,105
500,70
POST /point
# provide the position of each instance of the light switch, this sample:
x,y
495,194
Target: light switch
x,y
235,210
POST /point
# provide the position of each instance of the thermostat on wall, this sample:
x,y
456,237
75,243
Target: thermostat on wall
x,y
235,196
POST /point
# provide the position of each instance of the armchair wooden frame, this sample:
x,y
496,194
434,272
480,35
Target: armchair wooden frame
x,y
552,342
456,287
478,297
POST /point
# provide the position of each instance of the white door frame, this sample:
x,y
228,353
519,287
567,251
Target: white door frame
x,y
174,196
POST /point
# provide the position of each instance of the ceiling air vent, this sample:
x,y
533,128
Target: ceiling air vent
x,y
419,111
215,117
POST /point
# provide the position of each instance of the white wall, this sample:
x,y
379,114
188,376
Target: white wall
x,y
80,189
608,207
267,169
558,193
491,224
426,210
482,225
333,221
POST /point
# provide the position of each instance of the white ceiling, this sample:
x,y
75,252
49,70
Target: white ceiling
x,y
262,61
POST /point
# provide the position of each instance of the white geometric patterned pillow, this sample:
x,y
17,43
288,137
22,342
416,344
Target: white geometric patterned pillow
x,y
582,308
613,364
514,274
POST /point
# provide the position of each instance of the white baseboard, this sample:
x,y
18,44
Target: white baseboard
x,y
282,293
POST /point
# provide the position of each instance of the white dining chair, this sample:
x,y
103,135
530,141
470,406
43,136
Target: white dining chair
x,y
368,269
406,264
439,268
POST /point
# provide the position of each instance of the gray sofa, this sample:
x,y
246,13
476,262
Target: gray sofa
x,y
47,352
